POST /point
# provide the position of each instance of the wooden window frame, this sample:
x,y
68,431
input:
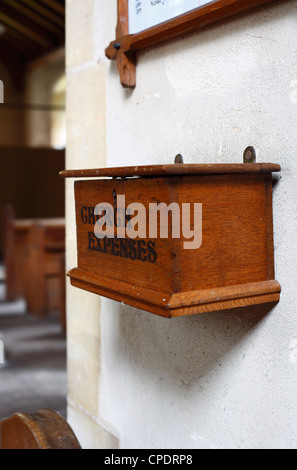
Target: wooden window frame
x,y
125,47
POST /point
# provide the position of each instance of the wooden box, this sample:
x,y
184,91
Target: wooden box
x,y
233,267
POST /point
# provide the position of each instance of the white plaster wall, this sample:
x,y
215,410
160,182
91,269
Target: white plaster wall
x,y
226,379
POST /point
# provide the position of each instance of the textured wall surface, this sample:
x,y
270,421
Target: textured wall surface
x,y
221,380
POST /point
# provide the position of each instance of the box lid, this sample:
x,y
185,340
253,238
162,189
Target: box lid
x,y
173,170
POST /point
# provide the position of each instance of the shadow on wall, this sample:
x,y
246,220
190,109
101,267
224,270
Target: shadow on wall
x,y
184,349
173,379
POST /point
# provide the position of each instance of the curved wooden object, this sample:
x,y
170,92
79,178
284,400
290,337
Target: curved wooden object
x,y
45,429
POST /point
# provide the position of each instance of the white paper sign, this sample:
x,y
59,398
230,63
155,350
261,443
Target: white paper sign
x,y
144,14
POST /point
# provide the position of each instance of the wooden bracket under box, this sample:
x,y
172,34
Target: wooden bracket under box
x,y
233,267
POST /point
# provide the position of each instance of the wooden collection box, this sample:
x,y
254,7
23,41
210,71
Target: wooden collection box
x,y
233,267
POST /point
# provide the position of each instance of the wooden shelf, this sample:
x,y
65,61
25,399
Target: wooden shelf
x,y
175,169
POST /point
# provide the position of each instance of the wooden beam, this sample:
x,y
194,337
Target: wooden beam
x,y
20,42
57,7
37,18
28,33
28,28
53,17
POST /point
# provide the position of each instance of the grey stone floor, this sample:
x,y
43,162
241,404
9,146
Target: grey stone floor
x,y
34,374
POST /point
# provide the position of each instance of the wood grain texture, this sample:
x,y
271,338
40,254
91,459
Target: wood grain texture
x,y
235,244
126,61
175,305
174,169
122,291
109,260
224,298
43,430
193,21
233,267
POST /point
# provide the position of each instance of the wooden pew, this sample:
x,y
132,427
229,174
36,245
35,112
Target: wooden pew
x,y
45,254
15,250
45,429
35,263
